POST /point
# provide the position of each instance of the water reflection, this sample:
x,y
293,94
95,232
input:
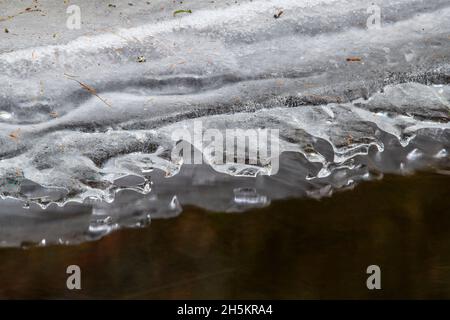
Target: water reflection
x,y
291,249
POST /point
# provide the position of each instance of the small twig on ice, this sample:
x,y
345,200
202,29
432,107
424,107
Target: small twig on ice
x,y
89,89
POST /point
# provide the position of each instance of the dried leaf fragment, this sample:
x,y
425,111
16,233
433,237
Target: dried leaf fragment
x,y
278,14
15,134
181,11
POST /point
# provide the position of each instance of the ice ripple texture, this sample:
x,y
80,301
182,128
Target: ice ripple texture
x,y
231,65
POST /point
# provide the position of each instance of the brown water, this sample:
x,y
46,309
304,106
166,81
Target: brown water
x,y
292,249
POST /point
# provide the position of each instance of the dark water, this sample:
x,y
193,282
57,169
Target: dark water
x,y
292,249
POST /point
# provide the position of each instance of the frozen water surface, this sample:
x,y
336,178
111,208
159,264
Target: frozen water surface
x,y
351,104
